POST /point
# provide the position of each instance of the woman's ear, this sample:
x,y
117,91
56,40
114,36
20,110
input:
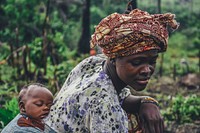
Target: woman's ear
x,y
22,107
113,61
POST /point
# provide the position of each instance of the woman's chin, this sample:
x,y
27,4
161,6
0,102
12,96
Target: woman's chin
x,y
139,87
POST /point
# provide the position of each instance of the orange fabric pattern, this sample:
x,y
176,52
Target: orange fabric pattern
x,y
126,34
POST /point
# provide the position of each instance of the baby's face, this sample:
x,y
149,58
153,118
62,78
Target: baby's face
x,y
38,103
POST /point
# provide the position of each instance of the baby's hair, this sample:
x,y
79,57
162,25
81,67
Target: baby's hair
x,y
25,88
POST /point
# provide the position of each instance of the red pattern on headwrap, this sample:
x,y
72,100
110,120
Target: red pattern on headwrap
x,y
126,34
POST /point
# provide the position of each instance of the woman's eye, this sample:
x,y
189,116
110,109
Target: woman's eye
x,y
136,62
153,62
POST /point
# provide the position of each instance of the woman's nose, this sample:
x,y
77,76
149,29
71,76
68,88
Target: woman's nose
x,y
146,69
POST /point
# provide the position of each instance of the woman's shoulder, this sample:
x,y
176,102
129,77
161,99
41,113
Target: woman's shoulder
x,y
86,66
93,59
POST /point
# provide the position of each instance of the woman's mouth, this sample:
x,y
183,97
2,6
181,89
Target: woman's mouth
x,y
142,81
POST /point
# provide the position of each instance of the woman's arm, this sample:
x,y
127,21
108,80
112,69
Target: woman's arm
x,y
131,104
148,110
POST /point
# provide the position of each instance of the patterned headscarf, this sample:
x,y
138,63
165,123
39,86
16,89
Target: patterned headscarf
x,y
126,34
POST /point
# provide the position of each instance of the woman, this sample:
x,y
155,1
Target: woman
x,y
95,96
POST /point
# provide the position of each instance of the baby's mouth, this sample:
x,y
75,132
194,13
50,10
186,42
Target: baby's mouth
x,y
43,116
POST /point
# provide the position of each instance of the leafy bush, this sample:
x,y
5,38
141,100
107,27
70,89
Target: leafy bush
x,y
183,110
8,112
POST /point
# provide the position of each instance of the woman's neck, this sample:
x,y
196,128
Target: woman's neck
x,y
110,69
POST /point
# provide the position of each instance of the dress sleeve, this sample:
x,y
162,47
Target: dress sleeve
x,y
124,93
108,117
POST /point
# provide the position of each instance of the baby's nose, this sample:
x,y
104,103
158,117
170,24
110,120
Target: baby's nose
x,y
46,107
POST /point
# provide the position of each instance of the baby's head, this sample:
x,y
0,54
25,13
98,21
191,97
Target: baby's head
x,y
35,101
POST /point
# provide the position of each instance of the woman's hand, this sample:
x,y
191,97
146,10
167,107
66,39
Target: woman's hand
x,y
151,119
149,112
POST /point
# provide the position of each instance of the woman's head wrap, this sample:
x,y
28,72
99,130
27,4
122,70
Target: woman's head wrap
x,y
126,34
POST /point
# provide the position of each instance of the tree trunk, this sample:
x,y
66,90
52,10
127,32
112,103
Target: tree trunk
x,y
84,42
161,65
159,6
11,55
162,55
44,52
24,62
131,6
44,44
17,52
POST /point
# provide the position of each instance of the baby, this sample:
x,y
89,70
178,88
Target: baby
x,y
34,102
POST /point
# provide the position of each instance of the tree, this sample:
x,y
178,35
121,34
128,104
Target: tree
x,y
131,6
159,6
162,55
83,44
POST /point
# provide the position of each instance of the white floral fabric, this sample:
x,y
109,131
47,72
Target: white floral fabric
x,y
88,101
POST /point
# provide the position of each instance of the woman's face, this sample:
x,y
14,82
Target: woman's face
x,y
136,70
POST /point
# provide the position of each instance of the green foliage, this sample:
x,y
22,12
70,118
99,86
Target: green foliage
x,y
24,16
4,50
97,14
7,73
8,89
183,110
35,51
180,49
12,105
8,112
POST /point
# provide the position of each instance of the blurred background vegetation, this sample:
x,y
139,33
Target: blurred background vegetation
x,y
42,40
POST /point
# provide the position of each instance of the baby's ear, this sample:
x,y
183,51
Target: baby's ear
x,y
22,107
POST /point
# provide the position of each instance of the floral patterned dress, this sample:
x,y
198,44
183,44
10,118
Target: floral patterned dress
x,y
88,101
